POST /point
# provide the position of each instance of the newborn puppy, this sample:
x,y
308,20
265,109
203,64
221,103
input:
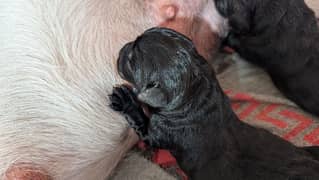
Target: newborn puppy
x,y
281,36
193,119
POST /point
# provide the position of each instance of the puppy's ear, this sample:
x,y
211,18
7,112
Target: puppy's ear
x,y
154,96
124,66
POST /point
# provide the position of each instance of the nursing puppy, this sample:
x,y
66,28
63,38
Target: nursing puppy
x,y
192,117
281,36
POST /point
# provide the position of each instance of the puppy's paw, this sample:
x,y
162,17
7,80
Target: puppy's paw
x,y
123,99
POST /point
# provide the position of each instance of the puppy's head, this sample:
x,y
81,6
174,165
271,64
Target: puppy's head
x,y
162,65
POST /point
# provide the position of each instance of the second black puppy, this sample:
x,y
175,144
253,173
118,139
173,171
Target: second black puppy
x,y
193,119
281,36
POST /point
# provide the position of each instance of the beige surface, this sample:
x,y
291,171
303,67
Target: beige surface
x,y
314,5
244,77
136,167
240,76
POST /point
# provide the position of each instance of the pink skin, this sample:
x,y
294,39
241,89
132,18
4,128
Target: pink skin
x,y
26,172
187,17
183,16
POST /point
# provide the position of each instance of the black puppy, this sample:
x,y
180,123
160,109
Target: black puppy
x,y
282,37
193,119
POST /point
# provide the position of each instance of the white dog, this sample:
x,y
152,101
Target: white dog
x,y
56,69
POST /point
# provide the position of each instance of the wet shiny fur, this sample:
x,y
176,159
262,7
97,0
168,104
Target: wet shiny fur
x,y
192,117
281,36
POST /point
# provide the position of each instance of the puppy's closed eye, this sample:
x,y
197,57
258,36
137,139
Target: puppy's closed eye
x,y
152,85
153,95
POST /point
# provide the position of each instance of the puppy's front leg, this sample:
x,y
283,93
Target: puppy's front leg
x,y
125,101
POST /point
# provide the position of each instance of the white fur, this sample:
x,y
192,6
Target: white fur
x,y
56,70
217,23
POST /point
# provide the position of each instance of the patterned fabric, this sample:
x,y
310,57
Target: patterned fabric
x,y
284,120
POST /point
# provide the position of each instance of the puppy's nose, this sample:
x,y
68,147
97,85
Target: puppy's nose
x,y
153,97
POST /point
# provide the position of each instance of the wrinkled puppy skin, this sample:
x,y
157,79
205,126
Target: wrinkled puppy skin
x,y
193,119
281,36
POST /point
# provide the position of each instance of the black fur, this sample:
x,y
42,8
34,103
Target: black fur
x,y
282,37
193,119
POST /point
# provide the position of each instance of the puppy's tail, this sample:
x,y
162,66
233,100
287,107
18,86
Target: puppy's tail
x,y
313,151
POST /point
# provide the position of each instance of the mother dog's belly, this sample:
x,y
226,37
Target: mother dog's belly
x,y
56,70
